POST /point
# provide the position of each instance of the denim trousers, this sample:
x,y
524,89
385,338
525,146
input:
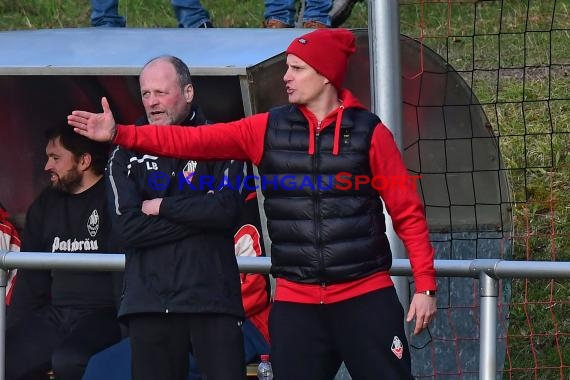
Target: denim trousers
x,y
284,11
189,13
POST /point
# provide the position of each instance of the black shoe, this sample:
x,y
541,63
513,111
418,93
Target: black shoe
x,y
340,11
206,24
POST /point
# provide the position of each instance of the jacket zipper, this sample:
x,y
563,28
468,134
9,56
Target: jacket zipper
x,y
316,210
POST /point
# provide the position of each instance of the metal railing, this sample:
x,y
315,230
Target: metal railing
x,y
488,271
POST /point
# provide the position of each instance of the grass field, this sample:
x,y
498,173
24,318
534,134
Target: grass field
x,y
40,14
526,101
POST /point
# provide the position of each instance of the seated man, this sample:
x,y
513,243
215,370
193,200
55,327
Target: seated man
x,y
57,319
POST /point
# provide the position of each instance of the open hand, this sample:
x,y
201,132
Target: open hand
x,y
423,308
95,126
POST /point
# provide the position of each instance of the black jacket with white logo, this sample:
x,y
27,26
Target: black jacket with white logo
x,y
65,223
183,260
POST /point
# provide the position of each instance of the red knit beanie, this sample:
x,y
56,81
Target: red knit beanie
x,y
326,51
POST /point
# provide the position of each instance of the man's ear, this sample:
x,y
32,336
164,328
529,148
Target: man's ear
x,y
189,93
85,161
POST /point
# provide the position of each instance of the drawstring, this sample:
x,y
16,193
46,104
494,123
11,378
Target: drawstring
x,y
336,142
337,130
311,139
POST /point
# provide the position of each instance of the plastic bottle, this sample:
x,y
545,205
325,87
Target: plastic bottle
x,y
264,370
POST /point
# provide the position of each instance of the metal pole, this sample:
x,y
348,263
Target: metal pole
x,y
489,292
386,96
400,267
3,283
487,270
386,72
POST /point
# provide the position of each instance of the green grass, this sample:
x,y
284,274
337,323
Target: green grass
x,y
45,14
517,61
516,58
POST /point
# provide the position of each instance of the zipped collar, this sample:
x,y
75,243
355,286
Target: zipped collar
x,y
347,100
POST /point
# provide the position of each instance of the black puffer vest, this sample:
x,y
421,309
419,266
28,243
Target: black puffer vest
x,y
322,231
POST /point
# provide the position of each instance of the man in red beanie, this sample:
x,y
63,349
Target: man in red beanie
x,y
334,299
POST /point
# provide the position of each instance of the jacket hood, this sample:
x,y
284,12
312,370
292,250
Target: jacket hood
x,y
349,100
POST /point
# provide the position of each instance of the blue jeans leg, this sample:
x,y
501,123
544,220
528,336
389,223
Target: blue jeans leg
x,y
106,13
318,10
190,13
283,11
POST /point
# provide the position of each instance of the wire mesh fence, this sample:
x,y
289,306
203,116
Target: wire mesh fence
x,y
497,153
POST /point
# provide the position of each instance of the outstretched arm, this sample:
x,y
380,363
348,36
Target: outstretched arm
x,y
95,126
239,140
